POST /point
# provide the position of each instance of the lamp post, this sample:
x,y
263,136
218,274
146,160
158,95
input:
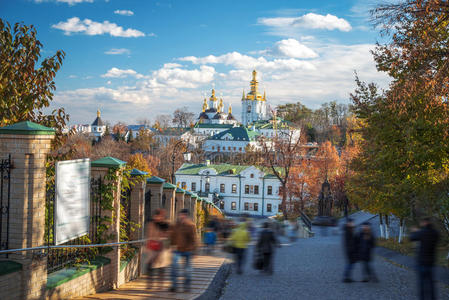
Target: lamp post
x,y
179,145
201,182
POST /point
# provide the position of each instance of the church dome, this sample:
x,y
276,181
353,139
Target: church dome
x,y
219,116
230,117
203,115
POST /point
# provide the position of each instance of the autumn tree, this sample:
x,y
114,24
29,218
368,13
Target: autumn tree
x,y
280,154
27,88
162,121
183,117
139,162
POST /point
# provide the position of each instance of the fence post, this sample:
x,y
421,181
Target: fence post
x,y
179,198
101,167
154,187
169,195
28,144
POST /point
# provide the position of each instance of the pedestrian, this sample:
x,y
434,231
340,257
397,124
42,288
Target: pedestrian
x,y
265,247
366,243
350,248
427,237
183,237
209,239
239,240
292,231
158,247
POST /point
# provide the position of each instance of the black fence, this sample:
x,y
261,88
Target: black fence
x,y
5,200
125,201
60,258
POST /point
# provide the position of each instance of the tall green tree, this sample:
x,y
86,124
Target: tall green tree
x,y
26,87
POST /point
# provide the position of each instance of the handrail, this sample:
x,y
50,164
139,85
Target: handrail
x,y
73,246
306,220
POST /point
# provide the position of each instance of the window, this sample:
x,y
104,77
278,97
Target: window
x,y
233,205
256,206
246,189
193,186
270,190
269,207
183,185
251,189
222,188
229,148
234,189
249,109
246,206
218,148
256,189
235,148
252,175
222,204
240,149
207,187
213,147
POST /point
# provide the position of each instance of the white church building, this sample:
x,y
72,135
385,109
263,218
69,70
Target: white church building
x,y
235,189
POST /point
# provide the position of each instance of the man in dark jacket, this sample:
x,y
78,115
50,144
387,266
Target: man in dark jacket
x,y
350,248
366,243
427,237
266,244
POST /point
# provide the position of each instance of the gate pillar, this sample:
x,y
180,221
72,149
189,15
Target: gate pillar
x,y
23,204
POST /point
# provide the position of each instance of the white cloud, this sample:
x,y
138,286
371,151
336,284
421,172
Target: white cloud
x,y
174,76
291,48
118,51
308,21
247,62
119,73
124,12
89,27
69,2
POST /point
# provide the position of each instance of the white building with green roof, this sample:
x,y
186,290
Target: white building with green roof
x,y
235,189
233,140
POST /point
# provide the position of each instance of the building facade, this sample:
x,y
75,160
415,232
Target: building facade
x,y
235,189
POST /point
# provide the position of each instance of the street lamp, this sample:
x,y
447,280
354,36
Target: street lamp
x,y
186,155
201,182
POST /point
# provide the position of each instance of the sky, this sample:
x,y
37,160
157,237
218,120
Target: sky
x,y
135,59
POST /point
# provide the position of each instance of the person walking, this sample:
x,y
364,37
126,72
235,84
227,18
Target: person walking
x,y
350,248
209,238
427,237
239,240
158,248
183,237
366,243
265,245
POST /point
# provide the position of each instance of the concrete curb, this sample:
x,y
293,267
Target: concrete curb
x,y
441,273
214,289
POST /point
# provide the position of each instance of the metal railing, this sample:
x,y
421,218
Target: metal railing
x,y
305,219
115,244
5,201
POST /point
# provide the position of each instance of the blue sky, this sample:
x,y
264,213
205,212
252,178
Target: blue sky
x,y
139,58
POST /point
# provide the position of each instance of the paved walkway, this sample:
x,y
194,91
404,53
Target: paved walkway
x,y
312,269
204,271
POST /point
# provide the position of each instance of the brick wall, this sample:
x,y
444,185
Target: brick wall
x,y
11,285
95,281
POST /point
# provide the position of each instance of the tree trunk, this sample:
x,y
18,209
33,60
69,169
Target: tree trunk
x,y
387,227
284,201
382,235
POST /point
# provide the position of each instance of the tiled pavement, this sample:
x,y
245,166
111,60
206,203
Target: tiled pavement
x,y
204,270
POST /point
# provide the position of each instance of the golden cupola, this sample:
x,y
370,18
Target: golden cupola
x,y
254,85
205,105
220,105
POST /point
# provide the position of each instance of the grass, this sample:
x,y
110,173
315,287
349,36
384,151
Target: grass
x,y
409,248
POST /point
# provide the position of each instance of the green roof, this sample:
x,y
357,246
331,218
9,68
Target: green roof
x,y
237,134
155,179
179,190
169,186
137,172
28,128
108,162
193,195
201,125
222,169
